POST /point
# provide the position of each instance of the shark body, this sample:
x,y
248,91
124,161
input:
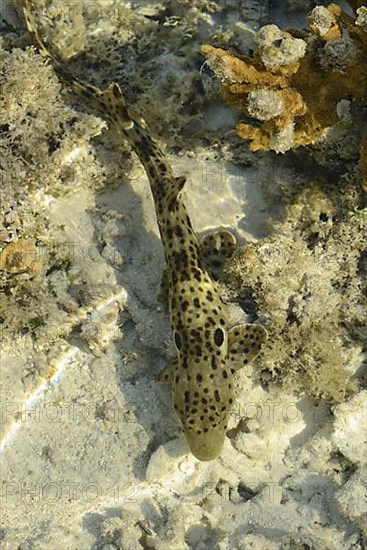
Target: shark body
x,y
208,351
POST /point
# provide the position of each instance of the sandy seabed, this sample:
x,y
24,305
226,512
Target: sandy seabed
x,y
92,455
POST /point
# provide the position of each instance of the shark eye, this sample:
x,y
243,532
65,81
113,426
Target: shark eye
x,y
218,336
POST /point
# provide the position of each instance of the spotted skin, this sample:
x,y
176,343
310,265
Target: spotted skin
x,y
208,352
217,248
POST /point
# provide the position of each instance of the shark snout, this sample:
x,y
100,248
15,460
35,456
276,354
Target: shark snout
x,y
205,445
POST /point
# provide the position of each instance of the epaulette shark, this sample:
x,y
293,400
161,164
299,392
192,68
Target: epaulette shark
x,y
209,351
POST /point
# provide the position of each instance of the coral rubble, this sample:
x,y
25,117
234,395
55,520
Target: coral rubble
x,y
307,281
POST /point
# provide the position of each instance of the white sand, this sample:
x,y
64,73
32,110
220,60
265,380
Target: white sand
x,y
92,455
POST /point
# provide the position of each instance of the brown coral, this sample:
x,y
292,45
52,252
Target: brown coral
x,y
308,74
19,256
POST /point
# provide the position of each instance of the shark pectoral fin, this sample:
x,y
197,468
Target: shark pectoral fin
x,y
217,248
162,294
167,374
222,242
244,344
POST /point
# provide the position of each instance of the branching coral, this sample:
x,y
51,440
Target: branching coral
x,y
294,83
